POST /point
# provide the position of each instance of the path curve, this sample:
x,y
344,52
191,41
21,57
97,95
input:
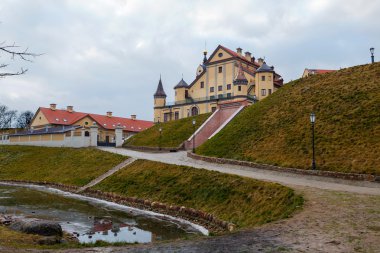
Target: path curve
x,y
286,178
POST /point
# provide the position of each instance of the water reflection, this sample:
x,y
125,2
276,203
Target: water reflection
x,y
87,220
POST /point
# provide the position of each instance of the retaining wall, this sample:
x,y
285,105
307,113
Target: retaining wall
x,y
322,173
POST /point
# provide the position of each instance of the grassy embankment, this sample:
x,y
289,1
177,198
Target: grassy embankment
x,y
277,129
173,133
243,201
60,165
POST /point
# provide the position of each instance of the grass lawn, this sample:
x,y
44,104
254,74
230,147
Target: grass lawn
x,y
62,165
173,133
277,129
243,201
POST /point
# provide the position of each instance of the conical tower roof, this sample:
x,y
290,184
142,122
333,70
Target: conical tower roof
x,y
181,84
160,90
240,77
265,68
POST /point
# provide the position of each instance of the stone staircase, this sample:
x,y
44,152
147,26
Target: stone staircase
x,y
107,174
216,122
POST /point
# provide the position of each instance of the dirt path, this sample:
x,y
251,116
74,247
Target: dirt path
x,y
290,179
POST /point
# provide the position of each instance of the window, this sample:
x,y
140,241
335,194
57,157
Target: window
x,y
228,86
239,88
212,97
269,91
220,54
202,85
220,96
194,111
262,78
86,123
228,95
176,115
220,69
220,88
86,133
213,109
166,117
263,92
211,89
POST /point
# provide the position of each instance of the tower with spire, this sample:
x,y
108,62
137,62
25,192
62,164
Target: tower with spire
x,y
159,95
240,82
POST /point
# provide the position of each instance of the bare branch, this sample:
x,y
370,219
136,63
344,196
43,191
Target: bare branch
x,y
24,55
22,71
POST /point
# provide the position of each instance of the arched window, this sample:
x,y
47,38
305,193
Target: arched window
x,y
86,133
194,111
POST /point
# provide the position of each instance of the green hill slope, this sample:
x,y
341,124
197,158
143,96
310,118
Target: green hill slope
x,y
173,133
277,130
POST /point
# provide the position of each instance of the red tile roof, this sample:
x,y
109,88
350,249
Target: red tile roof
x,y
63,117
233,53
321,71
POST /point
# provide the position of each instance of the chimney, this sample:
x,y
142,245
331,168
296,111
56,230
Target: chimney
x,y
133,116
109,114
248,56
53,107
70,108
253,59
238,51
260,61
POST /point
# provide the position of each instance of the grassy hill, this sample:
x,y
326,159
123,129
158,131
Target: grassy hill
x,y
243,201
173,133
277,129
62,165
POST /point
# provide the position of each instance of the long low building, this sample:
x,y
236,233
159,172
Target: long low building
x,y
66,127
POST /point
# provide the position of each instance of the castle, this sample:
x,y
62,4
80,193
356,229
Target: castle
x,y
226,76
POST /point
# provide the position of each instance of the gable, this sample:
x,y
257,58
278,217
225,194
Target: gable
x,y
219,55
39,119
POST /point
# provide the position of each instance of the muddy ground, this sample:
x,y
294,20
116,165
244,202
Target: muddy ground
x,y
329,222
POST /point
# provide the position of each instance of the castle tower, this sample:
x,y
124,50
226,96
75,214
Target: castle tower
x,y
159,101
240,82
181,91
264,78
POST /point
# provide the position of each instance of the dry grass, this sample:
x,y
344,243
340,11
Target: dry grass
x,y
277,129
243,201
62,165
173,133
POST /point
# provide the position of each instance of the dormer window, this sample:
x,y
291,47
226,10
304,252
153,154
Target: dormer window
x,y
56,119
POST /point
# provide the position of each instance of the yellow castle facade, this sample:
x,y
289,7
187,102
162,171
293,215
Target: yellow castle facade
x,y
226,76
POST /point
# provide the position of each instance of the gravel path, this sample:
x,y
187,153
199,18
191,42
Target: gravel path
x,y
290,179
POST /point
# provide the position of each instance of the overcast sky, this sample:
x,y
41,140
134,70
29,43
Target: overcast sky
x,y
108,55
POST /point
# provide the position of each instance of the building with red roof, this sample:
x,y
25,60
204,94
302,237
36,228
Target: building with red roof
x,y
52,117
225,76
309,72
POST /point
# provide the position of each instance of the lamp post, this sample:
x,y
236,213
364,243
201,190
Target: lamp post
x,y
312,120
372,50
159,140
194,135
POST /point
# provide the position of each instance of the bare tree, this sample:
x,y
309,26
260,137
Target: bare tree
x,y
15,53
6,117
24,119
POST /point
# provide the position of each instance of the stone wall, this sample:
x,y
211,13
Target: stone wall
x,y
331,174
